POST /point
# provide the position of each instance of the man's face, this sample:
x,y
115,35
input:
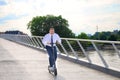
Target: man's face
x,y
51,31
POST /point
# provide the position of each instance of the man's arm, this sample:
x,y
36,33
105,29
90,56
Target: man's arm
x,y
44,40
58,39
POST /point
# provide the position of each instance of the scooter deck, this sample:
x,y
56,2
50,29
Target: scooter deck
x,y
53,72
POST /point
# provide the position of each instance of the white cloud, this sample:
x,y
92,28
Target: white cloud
x,y
15,25
83,15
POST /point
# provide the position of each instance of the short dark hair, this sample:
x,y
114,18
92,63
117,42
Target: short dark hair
x,y
51,28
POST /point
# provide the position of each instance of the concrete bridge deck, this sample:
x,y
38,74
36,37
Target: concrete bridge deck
x,y
18,62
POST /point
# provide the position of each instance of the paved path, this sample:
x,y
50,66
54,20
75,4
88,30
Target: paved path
x,y
18,62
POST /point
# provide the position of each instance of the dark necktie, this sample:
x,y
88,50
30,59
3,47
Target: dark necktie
x,y
52,40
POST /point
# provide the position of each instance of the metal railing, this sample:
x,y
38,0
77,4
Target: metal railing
x,y
36,41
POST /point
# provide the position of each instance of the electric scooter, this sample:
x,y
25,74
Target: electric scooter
x,y
54,72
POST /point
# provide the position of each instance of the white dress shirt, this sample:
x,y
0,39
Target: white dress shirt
x,y
47,39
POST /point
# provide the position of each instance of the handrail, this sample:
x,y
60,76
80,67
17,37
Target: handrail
x,y
89,40
36,41
86,40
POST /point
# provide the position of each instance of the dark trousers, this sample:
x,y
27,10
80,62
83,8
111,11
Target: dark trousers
x,y
52,55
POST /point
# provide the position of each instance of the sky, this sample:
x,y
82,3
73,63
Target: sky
x,y
82,15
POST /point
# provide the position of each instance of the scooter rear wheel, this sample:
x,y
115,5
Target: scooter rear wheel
x,y
49,69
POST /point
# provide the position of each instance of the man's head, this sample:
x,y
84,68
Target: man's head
x,y
52,30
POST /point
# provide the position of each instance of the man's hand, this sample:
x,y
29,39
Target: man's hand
x,y
48,42
57,42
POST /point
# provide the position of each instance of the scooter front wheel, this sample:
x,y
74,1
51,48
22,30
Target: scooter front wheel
x,y
55,72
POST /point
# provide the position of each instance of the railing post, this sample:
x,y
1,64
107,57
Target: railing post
x,y
11,37
83,50
64,50
39,42
75,54
29,41
33,43
36,43
58,50
17,38
26,40
101,57
23,40
117,51
20,39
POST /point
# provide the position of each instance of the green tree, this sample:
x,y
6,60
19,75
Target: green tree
x,y
96,36
102,36
83,36
40,25
118,36
113,37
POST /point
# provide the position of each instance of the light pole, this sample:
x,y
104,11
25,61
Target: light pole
x,y
97,32
97,28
